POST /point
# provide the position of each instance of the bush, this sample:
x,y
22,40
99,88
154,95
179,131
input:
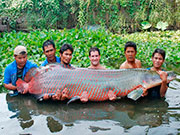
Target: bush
x,y
118,16
111,46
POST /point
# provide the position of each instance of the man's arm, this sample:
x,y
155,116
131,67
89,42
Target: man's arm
x,y
138,63
123,66
10,86
163,89
7,80
103,68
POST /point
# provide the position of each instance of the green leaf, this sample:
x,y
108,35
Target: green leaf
x,y
162,25
145,25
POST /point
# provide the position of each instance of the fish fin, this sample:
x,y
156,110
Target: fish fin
x,y
73,99
136,94
40,97
32,88
31,73
22,86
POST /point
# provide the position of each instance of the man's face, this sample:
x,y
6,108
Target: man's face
x,y
66,57
21,60
94,58
49,51
130,54
157,60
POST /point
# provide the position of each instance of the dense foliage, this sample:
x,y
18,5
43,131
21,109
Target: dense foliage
x,y
111,46
116,15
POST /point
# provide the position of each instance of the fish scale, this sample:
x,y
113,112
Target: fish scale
x,y
97,83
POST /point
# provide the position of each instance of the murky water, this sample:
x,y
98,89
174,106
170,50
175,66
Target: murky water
x,y
23,115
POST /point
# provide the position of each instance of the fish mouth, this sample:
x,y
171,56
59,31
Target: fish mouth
x,y
171,75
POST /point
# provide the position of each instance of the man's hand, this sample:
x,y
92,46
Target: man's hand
x,y
24,88
46,96
58,95
145,92
10,86
163,75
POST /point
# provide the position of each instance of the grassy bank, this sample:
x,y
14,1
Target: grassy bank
x,y
111,46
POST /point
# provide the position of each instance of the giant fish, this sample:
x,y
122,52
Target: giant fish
x,y
93,85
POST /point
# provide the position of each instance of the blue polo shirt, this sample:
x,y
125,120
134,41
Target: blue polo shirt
x,y
58,60
10,73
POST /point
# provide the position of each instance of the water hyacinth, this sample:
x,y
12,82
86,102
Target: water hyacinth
x,y
111,46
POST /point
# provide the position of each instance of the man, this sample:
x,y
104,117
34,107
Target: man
x,y
66,55
50,51
94,56
158,58
17,69
130,54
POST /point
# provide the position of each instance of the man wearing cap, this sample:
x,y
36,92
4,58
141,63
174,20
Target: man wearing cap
x,y
50,50
17,69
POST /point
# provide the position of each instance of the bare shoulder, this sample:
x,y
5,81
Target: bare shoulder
x,y
98,67
138,63
123,65
102,67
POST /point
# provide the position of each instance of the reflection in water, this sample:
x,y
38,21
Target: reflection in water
x,y
24,115
127,113
153,113
53,125
121,117
21,108
95,129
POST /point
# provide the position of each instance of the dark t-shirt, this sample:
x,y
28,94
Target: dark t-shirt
x,y
19,73
154,93
67,66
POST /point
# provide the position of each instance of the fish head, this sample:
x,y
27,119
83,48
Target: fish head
x,y
171,75
152,78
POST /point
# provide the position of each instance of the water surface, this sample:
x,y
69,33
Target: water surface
x,y
24,115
